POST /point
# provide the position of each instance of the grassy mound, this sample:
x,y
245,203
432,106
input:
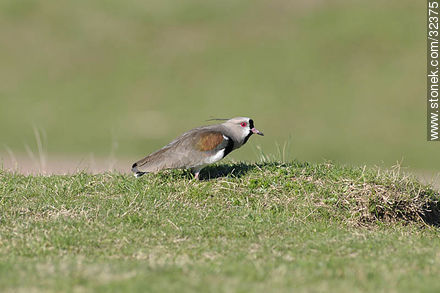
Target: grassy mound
x,y
352,195
323,191
260,227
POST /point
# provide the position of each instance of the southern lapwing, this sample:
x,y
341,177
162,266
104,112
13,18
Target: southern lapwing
x,y
199,147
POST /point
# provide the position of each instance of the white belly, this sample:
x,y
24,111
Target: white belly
x,y
215,158
209,160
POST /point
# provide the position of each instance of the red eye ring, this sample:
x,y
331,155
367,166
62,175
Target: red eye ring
x,y
243,124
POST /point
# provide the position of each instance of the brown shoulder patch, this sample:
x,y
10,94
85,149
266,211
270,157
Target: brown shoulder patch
x,y
209,141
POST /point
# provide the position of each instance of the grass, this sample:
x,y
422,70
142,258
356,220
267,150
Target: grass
x,y
272,227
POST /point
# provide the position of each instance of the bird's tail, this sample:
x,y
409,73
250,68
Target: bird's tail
x,y
135,170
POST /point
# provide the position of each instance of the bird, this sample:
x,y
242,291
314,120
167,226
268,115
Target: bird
x,y
199,147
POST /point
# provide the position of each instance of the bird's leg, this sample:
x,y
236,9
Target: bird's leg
x,y
196,172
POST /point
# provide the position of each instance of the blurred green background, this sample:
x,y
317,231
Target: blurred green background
x,y
331,80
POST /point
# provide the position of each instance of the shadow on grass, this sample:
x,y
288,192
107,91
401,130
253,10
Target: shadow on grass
x,y
238,170
235,170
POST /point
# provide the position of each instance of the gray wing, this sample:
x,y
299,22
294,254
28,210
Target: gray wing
x,y
189,150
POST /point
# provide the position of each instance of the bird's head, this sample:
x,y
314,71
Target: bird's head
x,y
242,128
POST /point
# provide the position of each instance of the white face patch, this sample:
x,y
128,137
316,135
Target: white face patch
x,y
245,130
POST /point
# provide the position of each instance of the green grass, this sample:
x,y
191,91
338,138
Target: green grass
x,y
260,227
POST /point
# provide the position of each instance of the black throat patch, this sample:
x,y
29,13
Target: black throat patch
x,y
247,137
